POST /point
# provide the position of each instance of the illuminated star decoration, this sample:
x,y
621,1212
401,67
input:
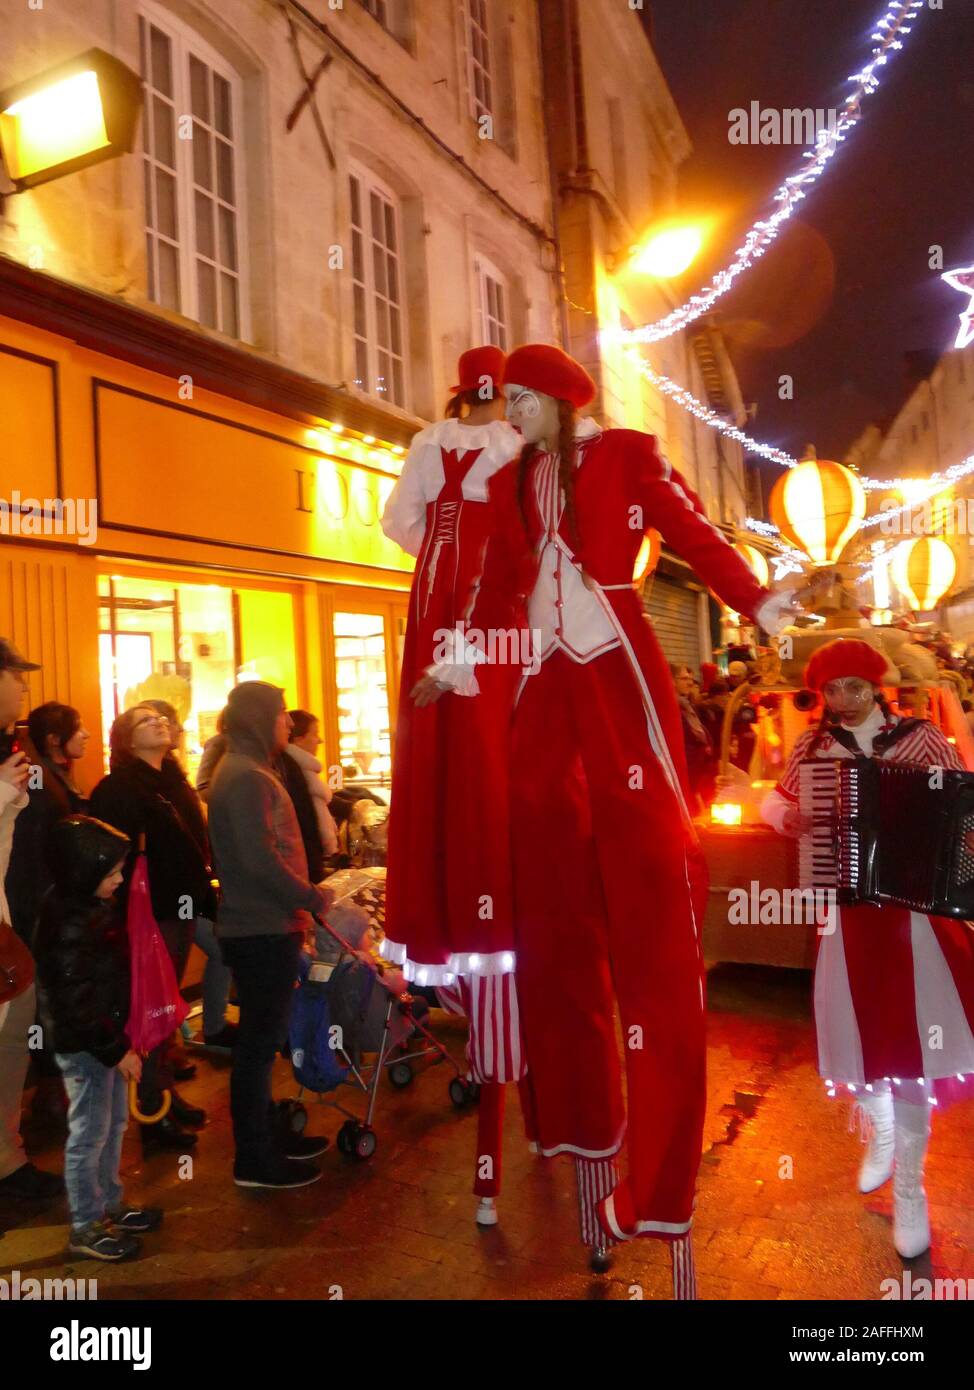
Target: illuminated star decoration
x,y
963,280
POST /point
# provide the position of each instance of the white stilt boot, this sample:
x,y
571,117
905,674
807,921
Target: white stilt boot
x,y
911,1222
875,1113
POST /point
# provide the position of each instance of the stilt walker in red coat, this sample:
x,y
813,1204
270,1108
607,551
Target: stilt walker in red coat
x,y
609,883
449,920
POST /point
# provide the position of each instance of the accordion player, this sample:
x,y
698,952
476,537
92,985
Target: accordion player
x,y
883,809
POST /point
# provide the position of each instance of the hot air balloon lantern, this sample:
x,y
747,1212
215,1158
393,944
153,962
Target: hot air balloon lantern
x,y
647,559
755,560
818,505
924,570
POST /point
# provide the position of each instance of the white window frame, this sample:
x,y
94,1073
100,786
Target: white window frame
x,y
187,42
471,24
368,184
485,270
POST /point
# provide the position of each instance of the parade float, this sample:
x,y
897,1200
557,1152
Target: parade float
x,y
818,508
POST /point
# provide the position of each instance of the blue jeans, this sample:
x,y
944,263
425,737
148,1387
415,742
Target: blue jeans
x,y
98,1115
216,979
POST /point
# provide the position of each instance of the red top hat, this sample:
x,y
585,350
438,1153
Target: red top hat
x,y
479,363
541,367
846,656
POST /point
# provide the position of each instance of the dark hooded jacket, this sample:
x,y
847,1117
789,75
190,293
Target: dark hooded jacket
x,y
160,804
254,833
81,946
29,874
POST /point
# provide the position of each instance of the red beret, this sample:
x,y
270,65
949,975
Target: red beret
x,y
478,363
543,368
846,656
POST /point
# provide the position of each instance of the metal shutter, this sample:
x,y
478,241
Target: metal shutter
x,y
675,611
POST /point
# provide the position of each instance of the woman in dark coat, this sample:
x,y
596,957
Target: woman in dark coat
x,y
147,797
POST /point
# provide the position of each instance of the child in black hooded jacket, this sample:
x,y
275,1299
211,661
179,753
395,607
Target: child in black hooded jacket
x,y
82,957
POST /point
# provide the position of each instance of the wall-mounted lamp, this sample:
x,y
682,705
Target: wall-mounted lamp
x,y
68,117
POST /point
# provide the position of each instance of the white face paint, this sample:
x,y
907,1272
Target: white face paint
x,y
533,414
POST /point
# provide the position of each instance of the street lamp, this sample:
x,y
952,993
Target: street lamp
x,y
668,251
69,117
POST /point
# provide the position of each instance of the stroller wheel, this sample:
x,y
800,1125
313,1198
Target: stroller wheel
x,y
366,1143
347,1136
400,1074
460,1091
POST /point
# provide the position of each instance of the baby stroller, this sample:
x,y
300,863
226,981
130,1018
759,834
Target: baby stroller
x,y
343,1011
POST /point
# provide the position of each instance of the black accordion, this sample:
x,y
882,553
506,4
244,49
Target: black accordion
x,y
888,834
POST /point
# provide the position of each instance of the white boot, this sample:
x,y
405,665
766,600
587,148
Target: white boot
x,y
911,1223
487,1214
875,1113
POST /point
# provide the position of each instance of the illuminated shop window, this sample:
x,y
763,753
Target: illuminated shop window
x,y
189,644
363,696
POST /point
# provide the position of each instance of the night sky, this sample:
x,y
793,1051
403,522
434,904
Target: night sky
x,y
845,294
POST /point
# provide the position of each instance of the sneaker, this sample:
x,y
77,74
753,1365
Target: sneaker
x,y
29,1182
301,1147
224,1041
134,1219
98,1242
286,1173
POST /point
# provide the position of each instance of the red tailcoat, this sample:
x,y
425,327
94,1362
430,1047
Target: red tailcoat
x,y
609,884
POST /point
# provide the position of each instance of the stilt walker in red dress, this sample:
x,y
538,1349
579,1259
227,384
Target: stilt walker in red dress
x,y
894,989
449,920
609,883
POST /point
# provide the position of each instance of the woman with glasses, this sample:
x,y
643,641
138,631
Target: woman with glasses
x,y
146,794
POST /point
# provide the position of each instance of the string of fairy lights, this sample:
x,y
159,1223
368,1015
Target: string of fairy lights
x,y
888,35
937,482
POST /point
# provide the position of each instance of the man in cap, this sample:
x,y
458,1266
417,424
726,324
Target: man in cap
x,y
18,1003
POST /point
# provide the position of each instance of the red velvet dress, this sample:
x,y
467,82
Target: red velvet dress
x,y
448,908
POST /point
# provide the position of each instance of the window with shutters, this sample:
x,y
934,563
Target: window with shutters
x,y
492,298
193,166
479,60
378,326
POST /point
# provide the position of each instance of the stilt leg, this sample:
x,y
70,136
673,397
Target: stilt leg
x,y
490,1125
684,1273
596,1177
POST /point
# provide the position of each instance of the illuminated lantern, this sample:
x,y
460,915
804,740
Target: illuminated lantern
x,y
726,813
648,557
755,562
818,505
924,570
69,117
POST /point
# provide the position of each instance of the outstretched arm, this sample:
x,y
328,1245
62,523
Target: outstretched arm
x,y
673,508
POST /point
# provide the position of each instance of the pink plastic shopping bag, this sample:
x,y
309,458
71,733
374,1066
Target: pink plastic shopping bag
x,y
157,1006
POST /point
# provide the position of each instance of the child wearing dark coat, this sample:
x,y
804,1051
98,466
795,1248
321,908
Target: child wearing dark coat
x,y
82,957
